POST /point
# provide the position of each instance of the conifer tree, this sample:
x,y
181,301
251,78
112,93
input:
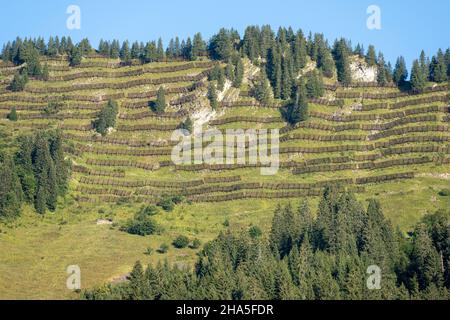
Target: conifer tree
x,y
160,104
371,56
382,74
107,118
125,54
212,96
239,73
12,115
400,71
11,194
45,73
438,67
19,81
418,78
341,56
262,90
198,46
314,84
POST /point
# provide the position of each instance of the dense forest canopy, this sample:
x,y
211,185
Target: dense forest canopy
x,y
307,256
36,173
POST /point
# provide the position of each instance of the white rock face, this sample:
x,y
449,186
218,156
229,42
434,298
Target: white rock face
x,y
361,72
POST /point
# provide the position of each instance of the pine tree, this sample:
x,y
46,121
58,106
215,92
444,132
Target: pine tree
x,y
371,56
45,73
297,110
160,51
400,71
239,73
19,81
125,54
221,45
75,56
11,194
60,164
382,77
160,103
314,84
198,46
107,118
137,282
12,115
114,50
418,78
425,260
438,68
262,90
44,170
212,96
229,71
341,56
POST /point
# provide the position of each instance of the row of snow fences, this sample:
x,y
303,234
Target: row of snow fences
x,y
375,116
94,172
64,97
204,194
411,129
404,103
387,95
117,85
363,165
131,73
117,141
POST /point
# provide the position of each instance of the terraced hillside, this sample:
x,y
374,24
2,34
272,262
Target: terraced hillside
x,y
356,135
364,137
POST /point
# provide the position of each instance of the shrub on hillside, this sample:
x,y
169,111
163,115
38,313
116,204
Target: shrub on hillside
x,y
163,248
141,224
195,244
444,192
181,242
12,115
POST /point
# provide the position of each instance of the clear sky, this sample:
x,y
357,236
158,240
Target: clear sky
x,y
406,26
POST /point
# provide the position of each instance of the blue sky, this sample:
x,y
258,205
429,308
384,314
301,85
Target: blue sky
x,y
407,26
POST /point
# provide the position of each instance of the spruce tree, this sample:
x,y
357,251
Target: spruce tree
x,y
371,56
341,56
262,90
438,67
45,73
418,78
297,110
125,54
400,71
11,194
198,46
160,103
107,118
212,96
239,73
382,77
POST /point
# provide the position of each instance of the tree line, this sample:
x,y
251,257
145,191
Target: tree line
x,y
36,173
302,257
282,54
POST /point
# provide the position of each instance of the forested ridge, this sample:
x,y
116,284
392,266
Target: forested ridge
x,y
283,54
307,256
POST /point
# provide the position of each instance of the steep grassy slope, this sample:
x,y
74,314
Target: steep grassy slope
x,y
381,143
